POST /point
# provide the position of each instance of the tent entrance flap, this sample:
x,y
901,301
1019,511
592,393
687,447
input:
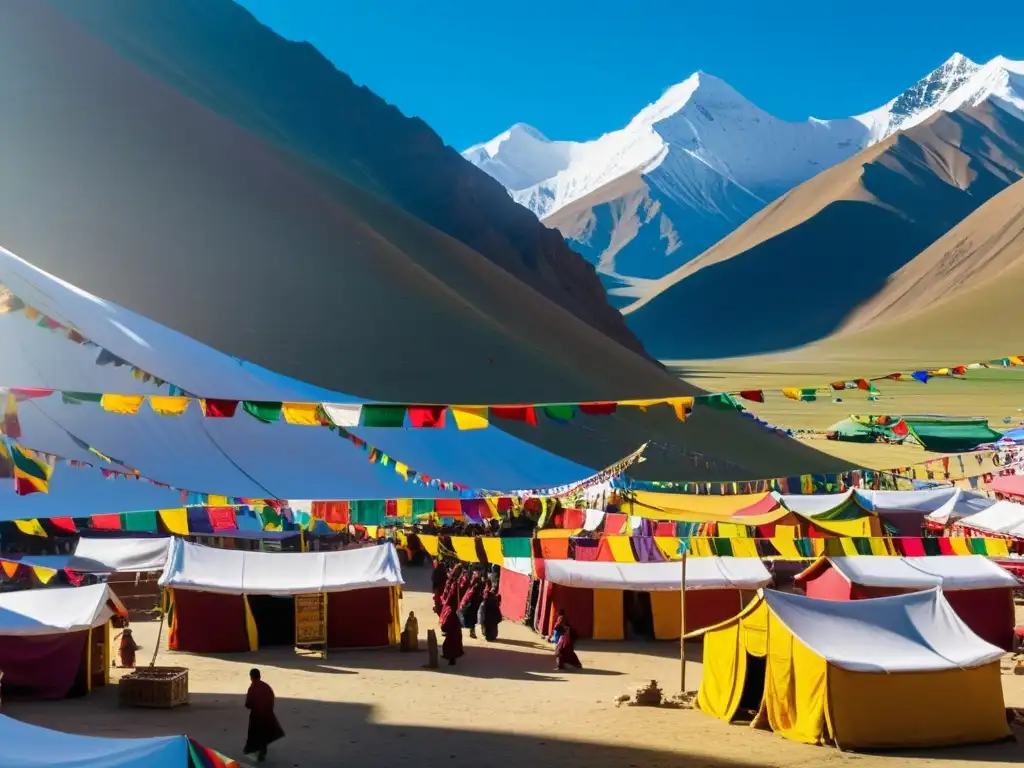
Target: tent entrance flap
x,y
275,619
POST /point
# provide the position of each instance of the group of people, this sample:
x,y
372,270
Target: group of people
x,y
464,598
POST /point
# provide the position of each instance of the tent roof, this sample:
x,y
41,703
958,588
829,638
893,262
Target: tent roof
x,y
29,746
950,573
1011,485
235,572
916,632
701,573
111,555
950,434
957,504
693,508
1006,517
56,610
237,456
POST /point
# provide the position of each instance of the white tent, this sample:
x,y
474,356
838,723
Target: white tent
x,y
56,610
746,573
1005,517
957,505
102,556
205,569
950,573
916,632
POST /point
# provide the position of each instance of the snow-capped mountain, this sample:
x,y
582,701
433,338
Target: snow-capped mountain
x,y
688,169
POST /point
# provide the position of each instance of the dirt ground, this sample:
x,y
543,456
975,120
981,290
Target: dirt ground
x,y
503,704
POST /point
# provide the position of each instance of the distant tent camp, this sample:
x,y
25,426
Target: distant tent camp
x,y
979,591
55,642
29,746
1010,487
601,598
942,434
867,674
227,601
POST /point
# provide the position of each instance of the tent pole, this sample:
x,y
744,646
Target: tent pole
x,y
682,624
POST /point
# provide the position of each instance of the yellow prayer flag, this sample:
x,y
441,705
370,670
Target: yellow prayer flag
x,y
643,405
793,393
700,546
43,574
306,414
31,313
744,548
492,548
878,547
169,406
818,546
465,549
849,548
404,507
668,546
1015,360
175,520
960,546
30,527
786,546
429,543
732,531
997,548
622,549
470,418
403,470
126,404
682,406
213,500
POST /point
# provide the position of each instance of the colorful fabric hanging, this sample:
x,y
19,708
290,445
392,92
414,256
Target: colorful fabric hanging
x,y
384,416
166,405
266,411
174,520
598,409
31,472
143,521
10,425
30,527
470,418
305,414
562,414
343,414
524,413
219,409
126,404
427,416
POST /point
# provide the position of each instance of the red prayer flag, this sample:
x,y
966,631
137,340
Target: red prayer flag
x,y
391,508
613,523
753,395
74,578
598,409
64,524
524,413
447,508
222,518
504,504
427,416
574,519
30,392
105,522
664,529
945,547
219,409
331,512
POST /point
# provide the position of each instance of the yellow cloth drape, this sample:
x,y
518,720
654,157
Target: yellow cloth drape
x,y
787,547
30,527
214,500
470,418
668,546
250,626
395,627
621,549
744,548
666,610
169,406
429,544
885,711
690,508
795,686
725,672
404,508
492,548
997,547
732,531
849,548
307,414
608,614
43,574
878,547
465,549
700,546
861,526
175,520
127,404
557,533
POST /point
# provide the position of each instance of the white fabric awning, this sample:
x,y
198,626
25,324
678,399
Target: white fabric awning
x,y
957,505
108,556
916,632
810,505
1006,517
205,569
29,746
701,573
950,573
56,610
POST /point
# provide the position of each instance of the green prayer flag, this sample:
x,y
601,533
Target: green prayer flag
x,y
721,546
862,545
269,517
931,546
368,512
422,507
266,411
383,416
139,521
808,395
73,398
978,546
516,546
562,413
719,402
804,547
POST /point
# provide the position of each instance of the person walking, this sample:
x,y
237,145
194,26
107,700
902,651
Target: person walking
x,y
263,726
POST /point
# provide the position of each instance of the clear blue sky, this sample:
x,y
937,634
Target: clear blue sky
x,y
578,68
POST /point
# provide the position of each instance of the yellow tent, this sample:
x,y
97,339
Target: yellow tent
x,y
891,672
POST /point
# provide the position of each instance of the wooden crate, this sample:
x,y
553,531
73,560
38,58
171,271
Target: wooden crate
x,y
160,687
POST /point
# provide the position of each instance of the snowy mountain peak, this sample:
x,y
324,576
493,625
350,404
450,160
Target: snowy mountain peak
x,y
520,157
920,100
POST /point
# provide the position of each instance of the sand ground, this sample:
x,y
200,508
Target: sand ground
x,y
503,704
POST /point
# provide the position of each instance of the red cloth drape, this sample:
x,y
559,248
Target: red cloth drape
x,y
207,622
578,605
41,667
359,618
514,591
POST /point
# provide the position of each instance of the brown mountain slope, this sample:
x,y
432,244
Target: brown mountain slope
x,y
217,53
120,183
794,272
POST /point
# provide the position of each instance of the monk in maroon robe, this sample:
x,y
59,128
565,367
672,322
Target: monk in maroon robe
x,y
263,726
565,649
451,628
438,582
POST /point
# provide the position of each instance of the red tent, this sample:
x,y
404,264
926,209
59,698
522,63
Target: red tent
x,y
1010,486
979,590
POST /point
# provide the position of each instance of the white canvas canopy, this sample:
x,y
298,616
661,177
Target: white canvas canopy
x,y
811,505
100,556
916,632
1005,517
232,572
56,610
701,573
950,573
29,746
957,505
